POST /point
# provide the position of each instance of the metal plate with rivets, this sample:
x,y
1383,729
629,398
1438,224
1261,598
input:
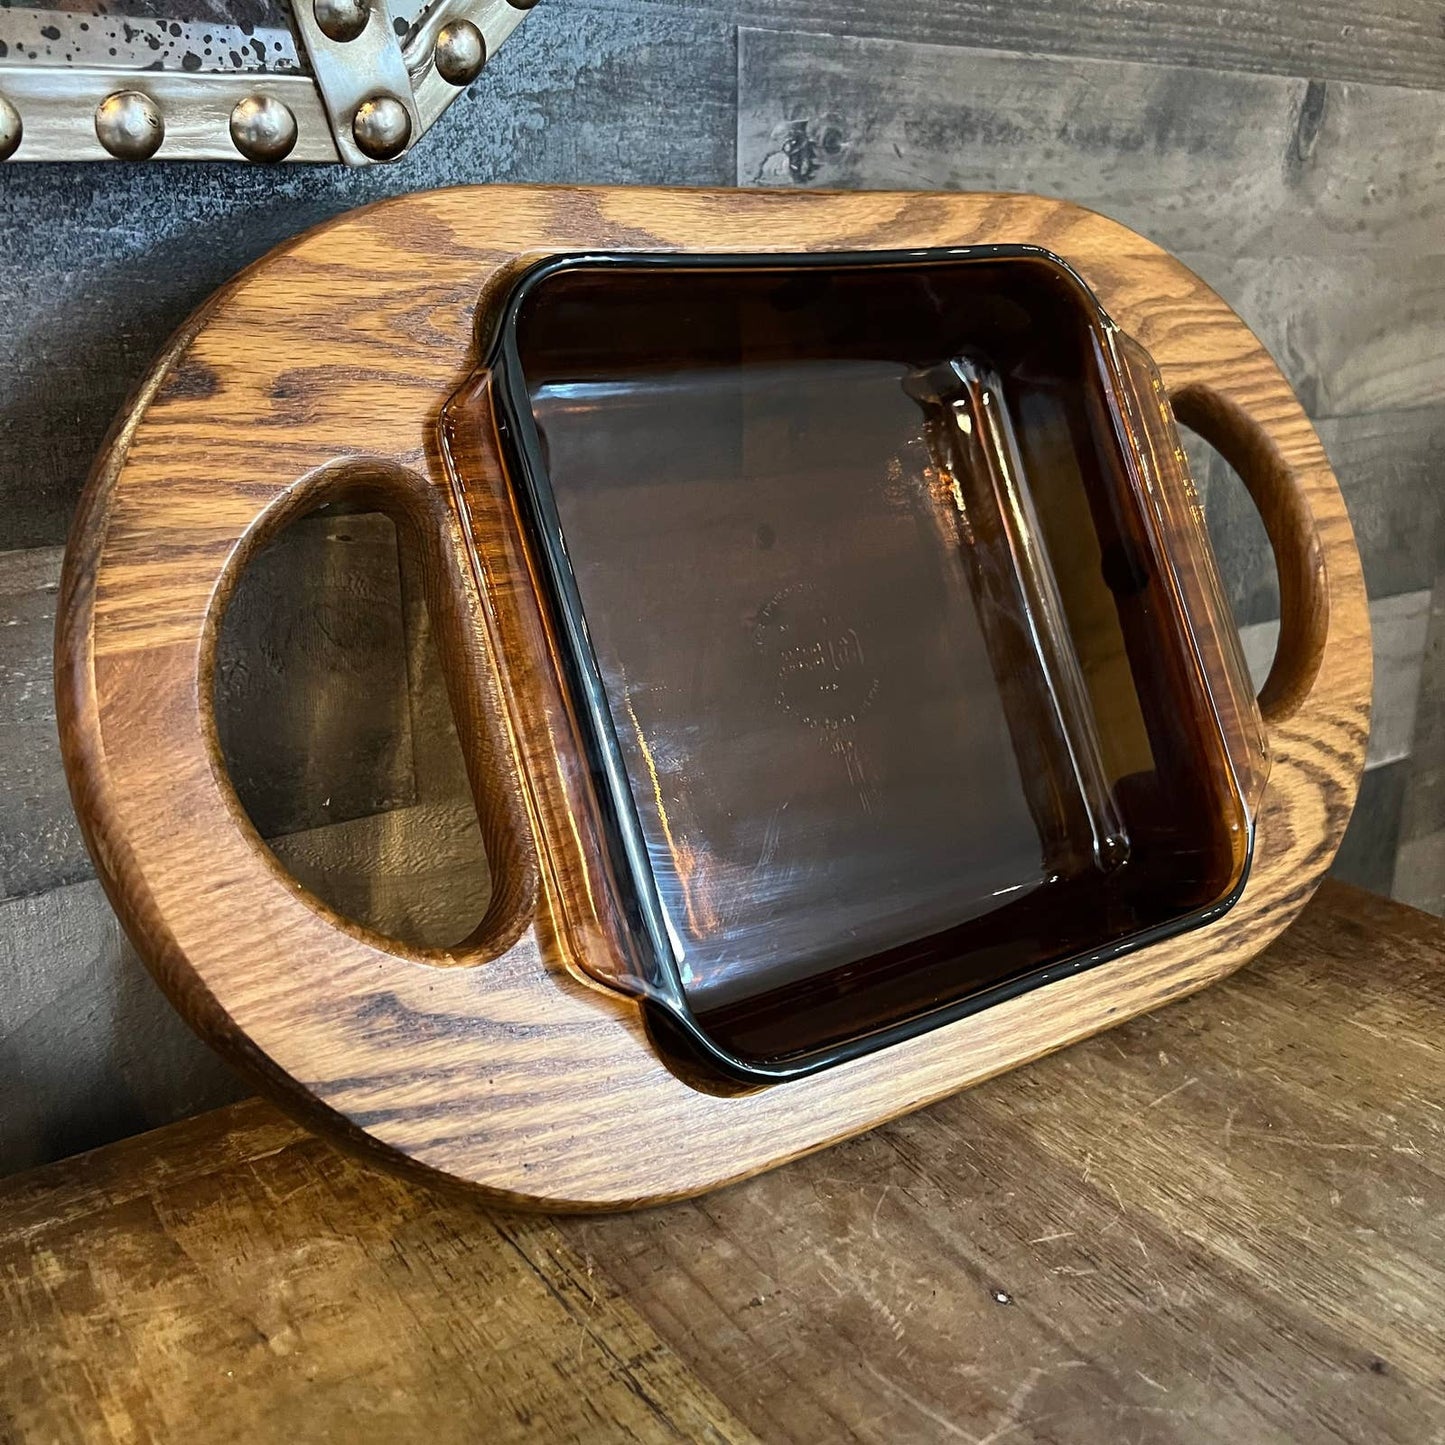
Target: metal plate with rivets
x,y
242,80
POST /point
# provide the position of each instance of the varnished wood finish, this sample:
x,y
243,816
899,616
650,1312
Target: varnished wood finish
x,y
1288,521
1220,1222
326,367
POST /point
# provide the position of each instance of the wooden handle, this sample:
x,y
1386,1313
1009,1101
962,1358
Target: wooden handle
x,y
1299,558
428,536
323,371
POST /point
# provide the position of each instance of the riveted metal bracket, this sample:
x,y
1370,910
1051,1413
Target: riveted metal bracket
x,y
309,80
361,76
494,22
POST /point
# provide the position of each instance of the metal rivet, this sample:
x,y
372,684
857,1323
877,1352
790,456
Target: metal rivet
x,y
382,127
129,125
461,52
341,19
263,128
521,4
10,129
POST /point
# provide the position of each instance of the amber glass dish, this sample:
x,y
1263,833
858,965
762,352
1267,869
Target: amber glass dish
x,y
891,633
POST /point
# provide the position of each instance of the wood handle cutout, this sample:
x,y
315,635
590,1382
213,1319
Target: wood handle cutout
x,y
1304,593
321,373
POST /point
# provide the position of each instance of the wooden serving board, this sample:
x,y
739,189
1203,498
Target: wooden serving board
x,y
321,372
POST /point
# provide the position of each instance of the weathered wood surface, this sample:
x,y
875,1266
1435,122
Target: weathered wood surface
x,y
88,1044
40,843
1205,161
1399,43
453,1062
1419,873
311,670
1311,207
1390,465
246,1283
1357,331
1221,1222
1371,843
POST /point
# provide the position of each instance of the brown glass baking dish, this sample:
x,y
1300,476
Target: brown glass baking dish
x,y
890,633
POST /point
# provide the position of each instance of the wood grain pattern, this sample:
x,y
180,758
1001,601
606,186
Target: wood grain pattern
x,y
87,1041
297,1296
327,367
1398,43
1220,1222
1206,162
40,843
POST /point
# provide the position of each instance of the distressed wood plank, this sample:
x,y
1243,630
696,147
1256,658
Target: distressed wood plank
x,y
1420,871
89,1049
1201,161
40,842
1219,1222
1368,851
311,678
1399,42
1399,626
418,874
1389,465
1355,333
1420,878
249,1284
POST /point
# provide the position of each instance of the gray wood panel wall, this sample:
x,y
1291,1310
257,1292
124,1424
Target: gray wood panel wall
x,y
1294,153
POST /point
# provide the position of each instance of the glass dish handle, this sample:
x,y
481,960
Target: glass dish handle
x,y
1177,516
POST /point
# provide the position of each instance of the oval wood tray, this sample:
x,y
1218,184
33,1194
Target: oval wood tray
x,y
322,371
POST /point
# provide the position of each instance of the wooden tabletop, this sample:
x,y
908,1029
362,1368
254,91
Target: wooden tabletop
x,y
1222,1221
